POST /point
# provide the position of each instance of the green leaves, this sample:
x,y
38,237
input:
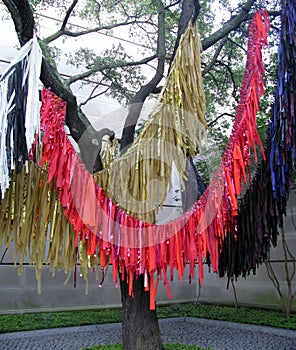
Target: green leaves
x,y
136,21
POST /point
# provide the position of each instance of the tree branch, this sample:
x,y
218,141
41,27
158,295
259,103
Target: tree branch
x,y
190,11
64,31
23,19
197,8
173,4
210,124
236,44
93,95
68,14
216,54
230,25
98,68
232,79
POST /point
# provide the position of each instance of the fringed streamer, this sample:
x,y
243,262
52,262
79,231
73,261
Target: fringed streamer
x,y
282,125
221,218
262,207
33,223
32,75
171,132
257,224
104,231
110,151
19,110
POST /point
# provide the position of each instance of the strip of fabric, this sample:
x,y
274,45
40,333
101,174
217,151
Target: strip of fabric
x,y
282,124
19,110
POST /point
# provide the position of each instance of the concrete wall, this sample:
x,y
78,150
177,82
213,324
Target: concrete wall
x,y
257,289
19,293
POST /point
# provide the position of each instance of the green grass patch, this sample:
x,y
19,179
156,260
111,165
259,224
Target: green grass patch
x,y
166,347
44,320
248,315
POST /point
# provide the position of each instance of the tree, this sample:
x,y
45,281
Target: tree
x,y
160,25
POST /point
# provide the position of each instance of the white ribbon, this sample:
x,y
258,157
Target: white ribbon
x,y
30,52
32,119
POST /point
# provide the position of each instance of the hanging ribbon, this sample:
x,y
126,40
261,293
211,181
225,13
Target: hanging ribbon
x,y
170,134
282,124
19,110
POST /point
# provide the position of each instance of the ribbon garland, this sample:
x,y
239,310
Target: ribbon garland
x,y
263,206
105,232
257,225
30,217
139,247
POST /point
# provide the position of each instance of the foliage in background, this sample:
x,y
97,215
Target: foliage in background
x,y
116,70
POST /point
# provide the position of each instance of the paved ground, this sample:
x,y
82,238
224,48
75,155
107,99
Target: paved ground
x,y
206,333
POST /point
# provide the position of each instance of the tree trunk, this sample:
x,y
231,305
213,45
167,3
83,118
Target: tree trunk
x,y
140,96
190,12
140,329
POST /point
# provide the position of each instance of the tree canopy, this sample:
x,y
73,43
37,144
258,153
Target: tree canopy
x,y
131,76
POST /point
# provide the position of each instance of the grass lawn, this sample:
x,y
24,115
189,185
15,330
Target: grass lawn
x,y
43,320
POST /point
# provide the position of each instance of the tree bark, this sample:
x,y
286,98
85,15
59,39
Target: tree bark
x,y
140,329
190,12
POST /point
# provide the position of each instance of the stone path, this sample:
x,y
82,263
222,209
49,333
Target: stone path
x,y
218,335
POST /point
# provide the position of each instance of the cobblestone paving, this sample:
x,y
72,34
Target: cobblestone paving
x,y
205,333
